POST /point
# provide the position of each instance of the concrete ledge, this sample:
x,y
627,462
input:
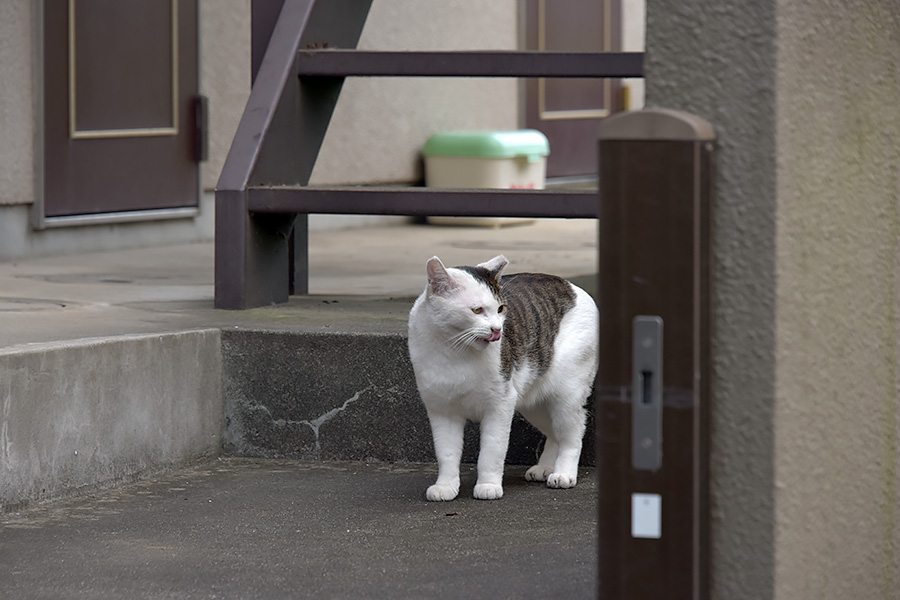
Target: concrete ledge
x,y
338,397
90,413
321,396
97,412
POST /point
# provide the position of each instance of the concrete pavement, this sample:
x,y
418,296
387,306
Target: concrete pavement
x,y
106,356
166,289
239,528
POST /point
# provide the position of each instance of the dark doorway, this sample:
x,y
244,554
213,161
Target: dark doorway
x,y
120,99
569,111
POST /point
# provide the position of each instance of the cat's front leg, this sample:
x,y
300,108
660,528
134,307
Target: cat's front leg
x,y
447,432
495,428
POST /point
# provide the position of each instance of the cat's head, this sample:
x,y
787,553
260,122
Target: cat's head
x,y
467,302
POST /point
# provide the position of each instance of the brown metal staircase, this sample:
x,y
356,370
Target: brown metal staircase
x,y
263,198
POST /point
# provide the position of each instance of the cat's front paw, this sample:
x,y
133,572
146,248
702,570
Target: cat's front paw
x,y
441,493
537,473
488,491
559,480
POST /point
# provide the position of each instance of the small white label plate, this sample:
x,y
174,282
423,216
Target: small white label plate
x,y
646,516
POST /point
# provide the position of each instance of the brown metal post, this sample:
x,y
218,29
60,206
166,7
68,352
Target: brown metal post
x,y
656,187
290,115
263,17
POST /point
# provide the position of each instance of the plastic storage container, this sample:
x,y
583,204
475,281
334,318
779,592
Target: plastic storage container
x,y
486,159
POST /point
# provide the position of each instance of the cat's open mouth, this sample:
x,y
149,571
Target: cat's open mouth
x,y
495,335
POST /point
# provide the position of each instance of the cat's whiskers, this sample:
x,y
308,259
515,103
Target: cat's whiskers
x,y
465,338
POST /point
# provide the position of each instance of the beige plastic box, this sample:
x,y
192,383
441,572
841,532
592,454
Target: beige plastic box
x,y
486,159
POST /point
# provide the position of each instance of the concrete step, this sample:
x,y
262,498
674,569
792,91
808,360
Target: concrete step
x,y
75,415
338,397
319,378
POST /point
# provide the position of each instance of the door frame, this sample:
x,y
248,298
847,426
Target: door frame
x,y
39,220
532,110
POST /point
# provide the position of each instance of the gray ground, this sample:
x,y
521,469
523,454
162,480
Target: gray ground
x,y
240,528
243,528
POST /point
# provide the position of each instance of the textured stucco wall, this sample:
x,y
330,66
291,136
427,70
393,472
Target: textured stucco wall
x,y
634,20
836,417
224,75
16,103
379,125
804,97
718,60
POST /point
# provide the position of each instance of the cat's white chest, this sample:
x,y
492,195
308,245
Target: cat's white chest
x,y
459,384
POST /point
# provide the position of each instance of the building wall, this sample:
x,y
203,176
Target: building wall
x,y
380,125
718,60
838,236
224,78
805,427
224,75
375,135
16,103
634,21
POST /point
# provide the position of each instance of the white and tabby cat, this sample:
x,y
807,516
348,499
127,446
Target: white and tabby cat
x,y
543,366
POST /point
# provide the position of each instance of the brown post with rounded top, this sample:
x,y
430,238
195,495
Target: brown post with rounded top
x,y
653,389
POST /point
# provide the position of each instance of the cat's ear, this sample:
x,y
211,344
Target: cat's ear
x,y
439,280
495,265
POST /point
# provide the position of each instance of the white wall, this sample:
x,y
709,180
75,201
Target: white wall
x,y
17,109
634,25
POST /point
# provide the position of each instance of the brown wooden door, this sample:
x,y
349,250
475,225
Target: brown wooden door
x,y
120,87
569,111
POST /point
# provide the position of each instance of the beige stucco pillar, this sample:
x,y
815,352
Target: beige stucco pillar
x,y
804,97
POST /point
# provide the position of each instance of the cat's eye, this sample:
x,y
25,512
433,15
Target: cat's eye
x,y
478,310
501,309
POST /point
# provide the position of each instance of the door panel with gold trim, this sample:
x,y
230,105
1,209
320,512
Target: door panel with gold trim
x,y
568,111
120,86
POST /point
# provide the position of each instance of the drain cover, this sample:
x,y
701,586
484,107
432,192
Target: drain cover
x,y
25,304
160,278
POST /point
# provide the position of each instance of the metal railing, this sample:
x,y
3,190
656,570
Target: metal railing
x,y
263,198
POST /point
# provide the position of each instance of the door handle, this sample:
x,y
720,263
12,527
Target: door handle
x,y
201,128
646,393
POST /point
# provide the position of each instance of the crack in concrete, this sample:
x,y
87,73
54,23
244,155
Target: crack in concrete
x,y
5,443
316,423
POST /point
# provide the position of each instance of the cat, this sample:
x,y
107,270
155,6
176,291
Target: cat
x,y
484,346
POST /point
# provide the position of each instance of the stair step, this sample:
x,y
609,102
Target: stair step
x,y
359,63
333,396
420,201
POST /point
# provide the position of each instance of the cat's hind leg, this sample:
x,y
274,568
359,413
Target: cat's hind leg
x,y
539,416
568,423
447,432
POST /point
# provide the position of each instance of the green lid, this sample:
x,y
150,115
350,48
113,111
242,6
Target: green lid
x,y
488,144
